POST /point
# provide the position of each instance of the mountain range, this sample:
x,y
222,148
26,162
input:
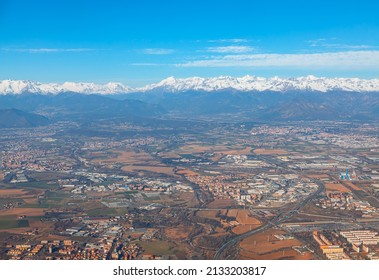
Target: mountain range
x,y
222,98
176,85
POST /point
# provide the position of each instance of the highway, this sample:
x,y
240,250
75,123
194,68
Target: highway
x,y
281,217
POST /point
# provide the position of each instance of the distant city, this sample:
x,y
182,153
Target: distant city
x,y
160,189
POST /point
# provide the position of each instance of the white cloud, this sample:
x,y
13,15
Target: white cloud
x,y
345,59
236,40
230,49
347,47
157,51
330,43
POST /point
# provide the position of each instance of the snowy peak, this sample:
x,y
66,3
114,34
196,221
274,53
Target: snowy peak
x,y
89,88
252,83
177,85
20,87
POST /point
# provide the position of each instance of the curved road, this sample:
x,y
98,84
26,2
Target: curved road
x,y
274,222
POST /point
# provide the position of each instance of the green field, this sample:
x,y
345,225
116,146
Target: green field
x,y
152,198
36,185
44,204
47,176
102,212
129,194
7,224
163,248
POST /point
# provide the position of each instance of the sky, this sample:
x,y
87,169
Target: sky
x,y
142,42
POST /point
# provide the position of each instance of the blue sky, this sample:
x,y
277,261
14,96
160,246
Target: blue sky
x,y
140,42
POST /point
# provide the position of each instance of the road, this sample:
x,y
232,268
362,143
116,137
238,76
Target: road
x,y
280,218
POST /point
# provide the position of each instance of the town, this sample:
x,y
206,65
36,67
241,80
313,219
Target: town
x,y
302,190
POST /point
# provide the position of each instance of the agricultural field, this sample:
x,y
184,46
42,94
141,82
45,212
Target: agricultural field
x,y
164,248
209,214
6,224
236,151
332,187
270,152
186,172
4,193
156,169
265,246
221,203
189,199
353,186
179,233
125,157
245,221
194,149
23,212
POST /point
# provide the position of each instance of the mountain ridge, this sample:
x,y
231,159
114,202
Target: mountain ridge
x,y
14,118
176,85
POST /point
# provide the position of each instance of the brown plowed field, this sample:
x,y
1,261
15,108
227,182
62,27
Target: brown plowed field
x,y
264,246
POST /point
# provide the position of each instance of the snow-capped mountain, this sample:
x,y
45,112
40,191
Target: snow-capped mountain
x,y
252,83
176,85
20,87
245,98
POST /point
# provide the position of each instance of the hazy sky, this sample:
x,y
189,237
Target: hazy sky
x,y
139,42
